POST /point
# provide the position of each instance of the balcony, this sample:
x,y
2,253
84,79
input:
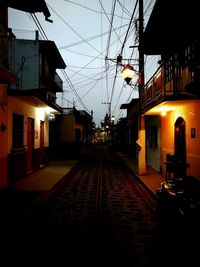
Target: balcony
x,y
53,83
167,86
193,87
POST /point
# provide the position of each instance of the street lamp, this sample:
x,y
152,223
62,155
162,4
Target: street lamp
x,y
112,119
127,72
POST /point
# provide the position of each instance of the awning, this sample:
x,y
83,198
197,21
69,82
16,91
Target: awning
x,y
31,6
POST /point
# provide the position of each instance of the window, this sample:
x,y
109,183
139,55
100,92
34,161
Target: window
x,y
18,131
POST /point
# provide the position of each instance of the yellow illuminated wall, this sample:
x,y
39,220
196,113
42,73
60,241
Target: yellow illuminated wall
x,y
190,112
18,106
67,128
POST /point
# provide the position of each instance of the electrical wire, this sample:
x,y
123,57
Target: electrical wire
x,y
41,30
86,66
75,92
65,74
125,39
93,10
65,22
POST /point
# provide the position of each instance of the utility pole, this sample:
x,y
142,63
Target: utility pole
x,y
108,126
141,49
141,119
109,109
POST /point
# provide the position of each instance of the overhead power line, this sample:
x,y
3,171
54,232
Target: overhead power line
x,y
40,29
93,10
125,39
74,90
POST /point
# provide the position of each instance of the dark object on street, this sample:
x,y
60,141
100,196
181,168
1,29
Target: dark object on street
x,y
179,199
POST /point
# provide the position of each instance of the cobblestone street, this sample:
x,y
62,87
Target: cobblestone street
x,y
97,215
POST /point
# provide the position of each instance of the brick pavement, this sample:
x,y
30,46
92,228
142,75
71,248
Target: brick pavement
x,y
67,222
151,180
96,215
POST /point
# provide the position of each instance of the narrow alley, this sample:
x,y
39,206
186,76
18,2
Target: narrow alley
x,y
97,215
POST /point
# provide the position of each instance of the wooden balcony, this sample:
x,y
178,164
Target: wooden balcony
x,y
158,89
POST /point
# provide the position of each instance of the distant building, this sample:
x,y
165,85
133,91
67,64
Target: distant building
x,y
131,126
75,130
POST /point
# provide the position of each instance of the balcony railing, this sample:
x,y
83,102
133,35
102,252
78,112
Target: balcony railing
x,y
53,83
59,82
160,88
153,91
26,34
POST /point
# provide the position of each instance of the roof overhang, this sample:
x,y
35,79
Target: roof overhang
x,y
7,77
50,49
170,25
169,106
134,102
31,6
33,98
124,106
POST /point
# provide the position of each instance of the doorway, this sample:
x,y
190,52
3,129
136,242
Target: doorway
x,y
180,146
30,144
42,153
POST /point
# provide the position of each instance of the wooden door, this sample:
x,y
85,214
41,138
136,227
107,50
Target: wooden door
x,y
180,146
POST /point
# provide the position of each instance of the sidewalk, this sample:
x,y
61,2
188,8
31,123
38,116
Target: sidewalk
x,y
151,180
45,178
20,196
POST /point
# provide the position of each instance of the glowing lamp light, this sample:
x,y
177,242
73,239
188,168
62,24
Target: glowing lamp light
x,y
163,113
128,72
113,118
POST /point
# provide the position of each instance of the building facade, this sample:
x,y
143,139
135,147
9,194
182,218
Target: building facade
x,y
75,130
28,86
170,100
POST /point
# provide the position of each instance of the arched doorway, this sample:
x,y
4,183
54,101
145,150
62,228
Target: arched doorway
x,y
180,146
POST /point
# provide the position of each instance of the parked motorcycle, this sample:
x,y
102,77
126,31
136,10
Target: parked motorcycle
x,y
179,199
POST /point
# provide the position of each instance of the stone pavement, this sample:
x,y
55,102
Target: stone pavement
x,y
133,222
94,215
44,179
151,180
26,191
